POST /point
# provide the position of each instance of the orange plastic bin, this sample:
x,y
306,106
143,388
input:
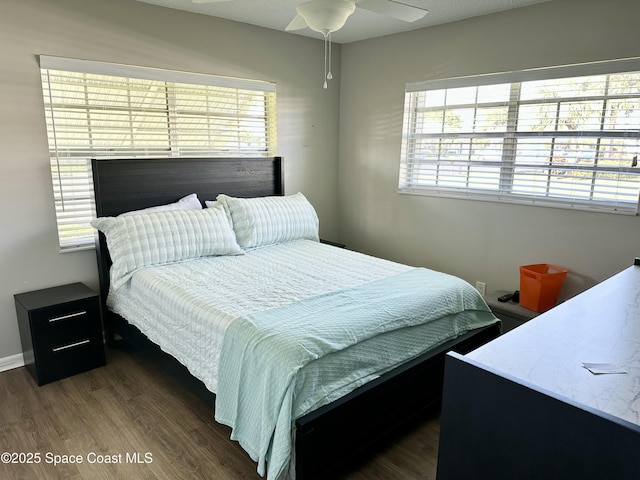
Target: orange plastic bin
x,y
540,286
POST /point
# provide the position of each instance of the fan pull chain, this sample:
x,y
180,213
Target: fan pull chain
x,y
329,76
327,57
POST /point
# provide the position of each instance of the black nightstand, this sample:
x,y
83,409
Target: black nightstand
x,y
511,313
61,331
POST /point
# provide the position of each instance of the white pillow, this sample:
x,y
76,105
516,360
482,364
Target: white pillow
x,y
269,220
211,203
190,202
137,241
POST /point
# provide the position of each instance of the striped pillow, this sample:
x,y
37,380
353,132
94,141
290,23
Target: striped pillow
x,y
190,202
157,238
263,221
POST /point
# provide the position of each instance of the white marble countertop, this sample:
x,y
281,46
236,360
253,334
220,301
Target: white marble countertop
x,y
601,325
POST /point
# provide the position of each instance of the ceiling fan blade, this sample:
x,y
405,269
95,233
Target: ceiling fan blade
x,y
298,23
391,8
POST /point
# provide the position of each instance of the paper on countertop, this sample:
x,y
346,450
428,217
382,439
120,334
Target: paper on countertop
x,y
604,368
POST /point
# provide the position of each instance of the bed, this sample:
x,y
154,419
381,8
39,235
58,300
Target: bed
x,y
338,399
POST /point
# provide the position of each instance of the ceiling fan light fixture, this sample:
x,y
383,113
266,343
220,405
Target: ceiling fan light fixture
x,y
326,16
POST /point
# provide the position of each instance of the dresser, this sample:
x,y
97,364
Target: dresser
x,y
60,331
524,406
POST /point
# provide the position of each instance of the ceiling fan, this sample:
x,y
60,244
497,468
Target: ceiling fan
x,y
322,15
331,15
327,16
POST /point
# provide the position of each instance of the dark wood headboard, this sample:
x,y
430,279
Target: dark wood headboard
x,y
125,185
122,185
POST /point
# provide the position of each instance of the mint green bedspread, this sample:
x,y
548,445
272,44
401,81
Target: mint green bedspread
x,y
264,355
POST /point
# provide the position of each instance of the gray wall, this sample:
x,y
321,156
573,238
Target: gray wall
x,y
131,32
360,116
472,239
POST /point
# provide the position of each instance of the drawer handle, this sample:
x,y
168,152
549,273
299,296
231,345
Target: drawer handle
x,y
72,345
65,317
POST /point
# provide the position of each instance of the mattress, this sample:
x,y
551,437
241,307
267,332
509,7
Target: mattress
x,y
364,316
186,307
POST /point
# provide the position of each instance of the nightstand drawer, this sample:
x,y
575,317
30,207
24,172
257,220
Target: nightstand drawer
x,y
68,322
66,359
61,331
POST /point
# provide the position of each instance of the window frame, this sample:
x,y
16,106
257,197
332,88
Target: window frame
x,y
410,156
177,123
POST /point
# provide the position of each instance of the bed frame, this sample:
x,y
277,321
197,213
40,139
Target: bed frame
x,y
332,436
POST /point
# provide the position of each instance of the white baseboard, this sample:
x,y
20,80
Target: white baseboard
x,y
9,363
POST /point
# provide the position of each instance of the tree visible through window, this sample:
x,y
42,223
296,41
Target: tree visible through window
x,y
569,141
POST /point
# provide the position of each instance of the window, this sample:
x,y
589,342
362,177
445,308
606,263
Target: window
x,y
96,110
565,137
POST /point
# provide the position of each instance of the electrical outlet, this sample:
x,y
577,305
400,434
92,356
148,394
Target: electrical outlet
x,y
481,287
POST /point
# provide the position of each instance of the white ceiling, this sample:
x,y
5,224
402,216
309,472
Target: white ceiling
x,y
362,24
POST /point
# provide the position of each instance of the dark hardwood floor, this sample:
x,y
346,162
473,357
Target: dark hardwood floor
x,y
149,426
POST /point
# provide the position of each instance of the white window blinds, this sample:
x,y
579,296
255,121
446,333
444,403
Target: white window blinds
x,y
96,110
565,137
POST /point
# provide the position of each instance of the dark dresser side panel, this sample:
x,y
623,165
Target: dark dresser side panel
x,y
493,428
